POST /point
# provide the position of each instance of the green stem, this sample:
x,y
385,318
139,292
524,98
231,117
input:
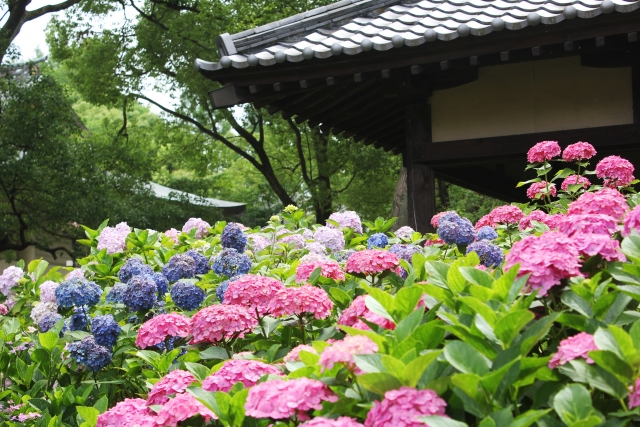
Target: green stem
x,y
261,323
304,337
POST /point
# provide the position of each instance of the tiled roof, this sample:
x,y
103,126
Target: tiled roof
x,y
353,26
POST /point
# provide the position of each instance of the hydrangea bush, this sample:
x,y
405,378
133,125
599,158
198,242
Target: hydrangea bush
x,y
528,317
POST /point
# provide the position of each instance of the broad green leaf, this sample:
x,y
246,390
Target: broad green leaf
x,y
613,364
573,406
214,353
379,382
414,370
439,421
465,358
375,306
378,339
340,296
88,414
502,286
577,303
405,302
455,279
477,277
409,324
382,297
199,371
481,308
369,363
48,340
529,417
393,365
509,326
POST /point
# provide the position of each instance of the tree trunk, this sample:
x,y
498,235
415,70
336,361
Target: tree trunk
x,y
399,208
322,196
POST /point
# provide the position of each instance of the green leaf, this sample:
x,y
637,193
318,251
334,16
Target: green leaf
x,y
88,414
48,340
573,406
577,303
214,353
439,421
414,370
339,296
612,363
393,365
481,308
477,277
313,278
465,358
379,383
102,404
409,324
405,302
529,417
369,363
455,279
199,371
503,284
509,326
375,306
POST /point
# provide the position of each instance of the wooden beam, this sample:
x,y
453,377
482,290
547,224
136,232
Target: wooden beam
x,y
320,107
504,56
473,61
416,69
635,92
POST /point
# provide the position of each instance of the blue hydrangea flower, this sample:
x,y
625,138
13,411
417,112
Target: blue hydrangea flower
x,y
78,320
187,296
490,255
115,294
451,216
140,293
134,320
77,292
222,287
105,330
87,352
133,267
202,263
487,233
343,255
233,237
406,253
180,266
48,321
378,240
231,263
160,308
161,283
460,232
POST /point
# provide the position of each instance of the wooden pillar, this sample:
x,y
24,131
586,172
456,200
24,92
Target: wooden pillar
x,y
421,185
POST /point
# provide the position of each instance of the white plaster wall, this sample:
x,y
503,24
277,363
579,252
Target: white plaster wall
x,y
530,97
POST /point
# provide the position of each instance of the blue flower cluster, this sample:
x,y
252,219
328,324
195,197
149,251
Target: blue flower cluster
x,y
490,255
233,237
133,267
180,266
378,240
78,320
406,253
161,283
486,233
140,293
115,294
159,308
454,229
77,292
343,255
48,321
222,287
105,330
202,263
87,352
231,263
186,295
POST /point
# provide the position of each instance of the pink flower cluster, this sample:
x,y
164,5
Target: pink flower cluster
x,y
573,180
175,382
173,235
114,239
507,215
615,171
219,322
330,269
343,352
547,258
572,348
542,151
634,395
253,292
201,226
9,279
346,219
578,151
404,407
128,413
328,422
435,220
631,221
258,243
358,308
159,328
247,372
279,399
538,190
550,221
180,408
372,261
300,301
591,235
607,201
330,238
294,354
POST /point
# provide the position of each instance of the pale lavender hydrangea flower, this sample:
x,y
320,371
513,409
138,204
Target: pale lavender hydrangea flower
x,y
78,273
329,237
404,232
9,279
41,309
316,248
201,226
258,243
114,239
48,292
348,219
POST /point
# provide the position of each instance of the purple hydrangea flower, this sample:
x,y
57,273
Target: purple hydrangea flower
x,y
490,255
231,263
233,237
180,266
331,238
187,295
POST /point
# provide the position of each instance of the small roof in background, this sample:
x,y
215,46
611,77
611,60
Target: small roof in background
x,y
354,26
167,193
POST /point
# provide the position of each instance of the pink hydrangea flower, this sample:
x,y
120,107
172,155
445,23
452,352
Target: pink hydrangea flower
x,y
330,238
372,261
253,292
631,221
48,292
330,269
507,214
128,413
404,232
525,223
258,243
300,301
547,258
346,219
435,220
173,235
578,151
294,354
538,190
247,372
572,348
484,221
598,244
201,226
175,382
404,407
9,279
358,308
434,242
634,395
573,180
545,150
589,223
343,352
75,273
114,239
180,408
607,201
3,309
159,328
219,322
279,399
328,422
615,171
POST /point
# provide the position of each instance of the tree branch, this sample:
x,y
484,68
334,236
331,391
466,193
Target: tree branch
x,y
303,162
33,14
